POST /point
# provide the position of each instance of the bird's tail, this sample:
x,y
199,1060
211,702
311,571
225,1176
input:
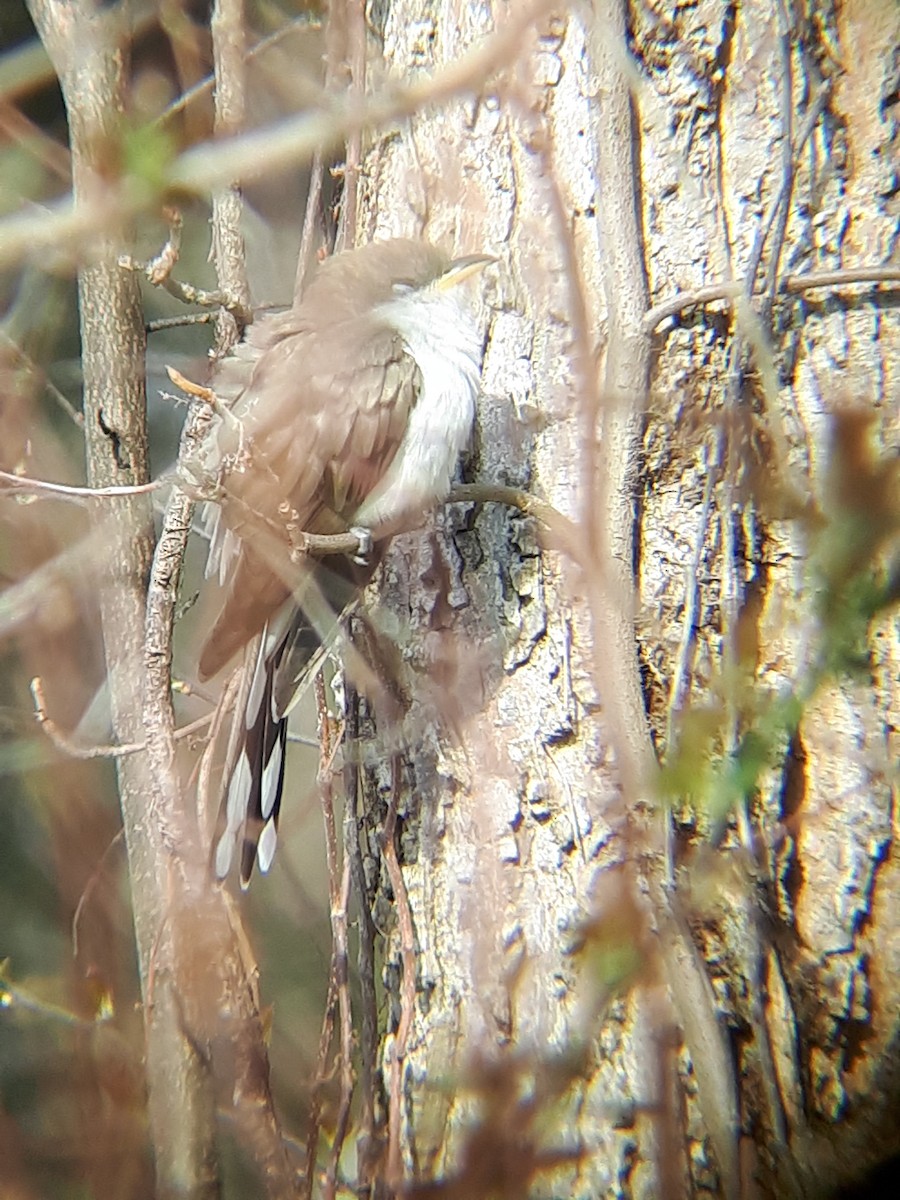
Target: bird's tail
x,y
285,658
253,800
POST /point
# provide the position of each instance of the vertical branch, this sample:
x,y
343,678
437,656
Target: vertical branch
x,y
330,737
229,49
356,64
612,532
84,44
610,518
345,73
368,1142
310,223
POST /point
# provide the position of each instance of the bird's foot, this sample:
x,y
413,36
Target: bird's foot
x,y
364,549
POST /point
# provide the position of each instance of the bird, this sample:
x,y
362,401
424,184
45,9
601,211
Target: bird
x,y
347,412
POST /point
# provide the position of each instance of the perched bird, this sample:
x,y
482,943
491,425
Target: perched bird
x,y
347,412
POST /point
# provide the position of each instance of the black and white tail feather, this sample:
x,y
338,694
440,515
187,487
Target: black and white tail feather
x,y
254,794
285,658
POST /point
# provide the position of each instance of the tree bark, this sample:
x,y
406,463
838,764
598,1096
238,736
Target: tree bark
x,y
624,999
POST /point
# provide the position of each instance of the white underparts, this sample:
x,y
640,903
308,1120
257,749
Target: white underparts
x,y
441,336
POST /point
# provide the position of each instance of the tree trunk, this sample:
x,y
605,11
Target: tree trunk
x,y
627,980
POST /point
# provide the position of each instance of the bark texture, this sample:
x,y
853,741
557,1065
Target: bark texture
x,y
622,1011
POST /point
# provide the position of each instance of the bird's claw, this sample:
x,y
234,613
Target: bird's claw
x,y
364,549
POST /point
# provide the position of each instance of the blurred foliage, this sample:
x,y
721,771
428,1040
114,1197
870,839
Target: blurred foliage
x,y
72,1104
853,568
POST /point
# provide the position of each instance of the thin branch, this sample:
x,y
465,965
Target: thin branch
x,y
22,600
625,384
49,386
218,1002
681,666
17,129
310,218
843,277
196,391
78,495
781,210
229,41
202,318
730,292
88,889
203,168
319,1079
205,86
681,300
160,267
612,589
565,532
355,15
185,731
68,745
185,292
85,43
204,771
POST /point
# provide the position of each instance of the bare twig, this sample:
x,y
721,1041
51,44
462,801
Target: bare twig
x,y
782,207
159,268
22,600
204,770
355,17
202,318
78,495
612,592
68,745
48,385
294,140
19,130
320,1078
185,292
730,292
196,390
87,891
564,532
192,727
229,39
844,277
205,86
676,304
311,218
626,379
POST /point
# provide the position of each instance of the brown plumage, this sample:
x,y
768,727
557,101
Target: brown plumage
x,y
350,408
301,436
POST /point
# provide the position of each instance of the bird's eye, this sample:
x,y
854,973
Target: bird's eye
x,y
402,287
